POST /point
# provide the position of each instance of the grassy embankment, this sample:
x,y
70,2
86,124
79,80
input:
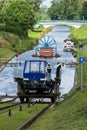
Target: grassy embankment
x,y
10,44
18,117
71,114
81,35
8,47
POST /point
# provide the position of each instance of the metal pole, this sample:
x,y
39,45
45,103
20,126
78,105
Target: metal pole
x,y
81,76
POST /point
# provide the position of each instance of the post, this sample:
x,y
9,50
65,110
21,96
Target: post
x,y
81,61
29,103
20,108
9,112
81,76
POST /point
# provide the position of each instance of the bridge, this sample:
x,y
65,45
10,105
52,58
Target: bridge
x,y
75,23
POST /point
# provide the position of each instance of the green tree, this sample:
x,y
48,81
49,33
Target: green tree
x,y
65,9
43,13
20,16
84,11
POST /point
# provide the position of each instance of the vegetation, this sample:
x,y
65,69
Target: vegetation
x,y
80,33
18,16
79,36
71,114
67,10
10,43
44,13
84,11
82,53
18,117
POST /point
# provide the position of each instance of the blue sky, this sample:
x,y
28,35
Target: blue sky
x,y
46,3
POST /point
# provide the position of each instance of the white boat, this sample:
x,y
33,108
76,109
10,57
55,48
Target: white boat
x,y
68,45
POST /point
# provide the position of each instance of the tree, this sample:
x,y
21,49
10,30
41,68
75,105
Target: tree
x,y
66,9
20,16
84,11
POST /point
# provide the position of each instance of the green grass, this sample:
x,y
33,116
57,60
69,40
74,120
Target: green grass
x,y
80,33
6,53
18,117
71,114
82,53
9,43
6,104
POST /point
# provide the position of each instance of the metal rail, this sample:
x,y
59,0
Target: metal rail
x,y
31,121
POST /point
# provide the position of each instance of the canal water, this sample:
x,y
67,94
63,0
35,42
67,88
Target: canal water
x,y
59,33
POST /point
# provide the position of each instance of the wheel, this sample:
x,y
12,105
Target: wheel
x,y
47,41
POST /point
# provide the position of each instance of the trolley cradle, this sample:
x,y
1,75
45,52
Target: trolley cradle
x,y
35,83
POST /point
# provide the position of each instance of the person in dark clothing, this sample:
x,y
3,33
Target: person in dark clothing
x,y
49,71
58,70
48,68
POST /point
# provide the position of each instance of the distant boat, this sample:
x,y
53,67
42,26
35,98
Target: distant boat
x,y
68,45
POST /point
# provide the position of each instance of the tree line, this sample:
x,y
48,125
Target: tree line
x,y
68,10
18,16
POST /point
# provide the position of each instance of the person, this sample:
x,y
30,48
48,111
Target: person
x,y
80,45
58,70
49,71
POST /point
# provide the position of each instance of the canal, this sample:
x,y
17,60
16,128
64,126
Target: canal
x,y
59,33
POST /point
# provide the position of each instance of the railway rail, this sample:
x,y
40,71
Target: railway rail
x,y
32,120
9,106
13,98
19,105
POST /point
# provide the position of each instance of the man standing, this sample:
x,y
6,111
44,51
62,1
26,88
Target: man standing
x,y
58,70
49,71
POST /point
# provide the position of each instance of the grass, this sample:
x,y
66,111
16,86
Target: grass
x,y
9,43
71,114
82,53
80,33
7,54
18,117
6,104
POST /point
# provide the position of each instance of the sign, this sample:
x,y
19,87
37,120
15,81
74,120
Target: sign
x,y
81,60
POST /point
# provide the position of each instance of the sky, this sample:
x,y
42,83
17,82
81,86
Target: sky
x,y
46,3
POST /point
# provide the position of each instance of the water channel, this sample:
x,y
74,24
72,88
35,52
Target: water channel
x,y
59,33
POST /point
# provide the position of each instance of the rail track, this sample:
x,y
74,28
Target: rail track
x,y
33,119
9,106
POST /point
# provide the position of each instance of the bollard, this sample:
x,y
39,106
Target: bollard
x,y
9,112
20,108
32,103
28,104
